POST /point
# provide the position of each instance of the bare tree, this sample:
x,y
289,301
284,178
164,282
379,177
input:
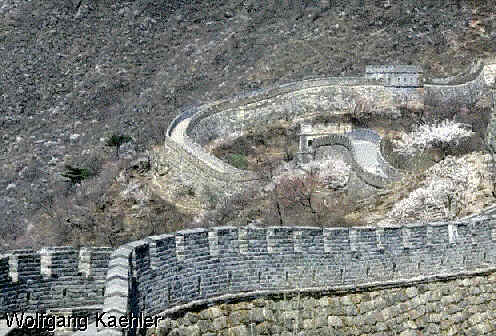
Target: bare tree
x,y
299,192
491,165
229,208
114,226
267,172
361,110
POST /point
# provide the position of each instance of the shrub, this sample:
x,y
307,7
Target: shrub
x,y
237,160
75,174
332,173
117,140
94,163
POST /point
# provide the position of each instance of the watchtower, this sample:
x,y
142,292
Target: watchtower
x,y
305,152
400,76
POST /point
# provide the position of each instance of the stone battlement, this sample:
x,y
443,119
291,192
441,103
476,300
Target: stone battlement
x,y
396,75
369,69
198,265
56,277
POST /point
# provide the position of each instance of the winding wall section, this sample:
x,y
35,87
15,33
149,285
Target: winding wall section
x,y
176,272
198,125
360,169
195,124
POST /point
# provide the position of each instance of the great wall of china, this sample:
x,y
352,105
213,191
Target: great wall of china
x,y
436,278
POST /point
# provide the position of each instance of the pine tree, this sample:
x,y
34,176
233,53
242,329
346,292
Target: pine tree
x,y
117,140
75,174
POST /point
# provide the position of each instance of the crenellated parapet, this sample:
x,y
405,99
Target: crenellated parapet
x,y
296,100
463,89
169,273
52,278
471,73
164,273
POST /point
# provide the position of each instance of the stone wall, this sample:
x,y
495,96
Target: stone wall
x,y
226,117
222,118
462,306
190,167
186,113
458,90
52,278
168,273
469,75
491,127
302,99
324,96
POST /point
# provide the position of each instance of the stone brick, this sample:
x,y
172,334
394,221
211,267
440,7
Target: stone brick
x,y
219,323
238,331
366,307
334,321
411,292
192,331
211,313
416,313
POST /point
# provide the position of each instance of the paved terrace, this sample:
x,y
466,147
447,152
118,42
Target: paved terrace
x,y
367,154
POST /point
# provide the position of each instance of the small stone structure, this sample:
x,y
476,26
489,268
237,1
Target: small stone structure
x,y
305,148
396,75
308,134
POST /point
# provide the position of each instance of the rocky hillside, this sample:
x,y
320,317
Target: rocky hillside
x,y
74,72
452,188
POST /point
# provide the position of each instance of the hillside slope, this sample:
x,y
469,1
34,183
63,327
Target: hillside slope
x,y
74,72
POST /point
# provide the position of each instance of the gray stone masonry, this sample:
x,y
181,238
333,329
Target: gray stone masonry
x,y
372,179
371,69
396,75
193,266
53,278
453,306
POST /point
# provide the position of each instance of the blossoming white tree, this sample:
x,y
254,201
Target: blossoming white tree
x,y
446,191
333,174
426,136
